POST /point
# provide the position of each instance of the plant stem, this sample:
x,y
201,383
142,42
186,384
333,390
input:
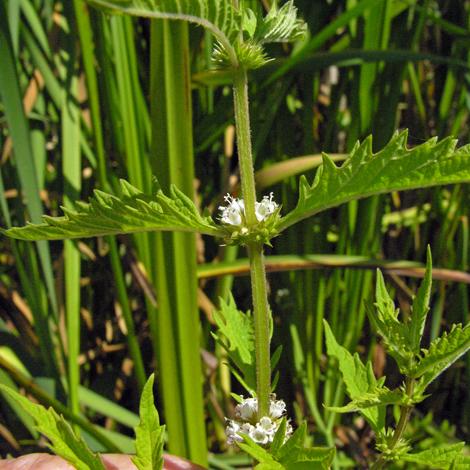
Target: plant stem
x,y
242,122
402,422
255,250
261,318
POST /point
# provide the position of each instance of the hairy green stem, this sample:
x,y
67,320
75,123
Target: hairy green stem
x,y
255,250
261,317
242,122
400,429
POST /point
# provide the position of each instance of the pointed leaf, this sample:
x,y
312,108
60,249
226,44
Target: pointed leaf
x,y
364,174
238,328
258,452
377,397
279,438
63,441
296,440
149,434
445,458
109,215
357,377
420,307
384,318
441,354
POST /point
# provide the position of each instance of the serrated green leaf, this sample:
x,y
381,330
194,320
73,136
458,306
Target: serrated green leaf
x,y
357,377
219,16
63,441
384,318
149,434
364,174
293,455
238,328
441,457
313,458
441,354
376,397
109,215
420,308
257,452
280,25
296,440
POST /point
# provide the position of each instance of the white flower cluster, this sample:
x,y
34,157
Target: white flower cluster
x,y
262,431
234,212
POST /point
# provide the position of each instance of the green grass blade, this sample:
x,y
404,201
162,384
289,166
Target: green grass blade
x,y
172,157
72,176
19,131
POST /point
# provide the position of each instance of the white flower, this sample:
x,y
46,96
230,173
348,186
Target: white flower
x,y
261,432
276,409
233,213
259,435
231,431
265,208
247,408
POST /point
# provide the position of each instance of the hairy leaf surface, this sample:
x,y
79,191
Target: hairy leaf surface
x,y
358,378
441,354
239,328
63,441
364,174
109,215
280,25
384,317
217,15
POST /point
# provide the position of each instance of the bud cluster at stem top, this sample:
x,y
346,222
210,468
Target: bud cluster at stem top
x,y
234,220
262,430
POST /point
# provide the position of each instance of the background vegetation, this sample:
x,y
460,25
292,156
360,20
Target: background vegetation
x,y
82,96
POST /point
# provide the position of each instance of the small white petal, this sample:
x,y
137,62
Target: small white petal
x,y
276,409
247,409
265,208
259,435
